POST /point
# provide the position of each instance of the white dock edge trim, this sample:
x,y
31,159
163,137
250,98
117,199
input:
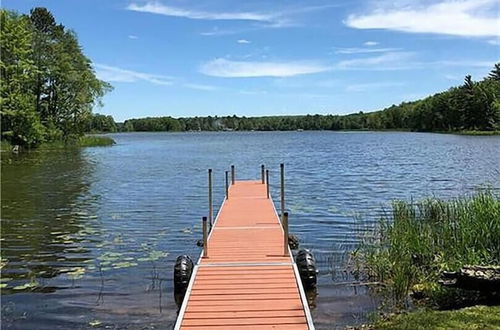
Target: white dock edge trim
x,y
180,317
245,264
302,293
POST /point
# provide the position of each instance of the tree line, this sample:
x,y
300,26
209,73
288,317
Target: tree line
x,y
48,85
472,106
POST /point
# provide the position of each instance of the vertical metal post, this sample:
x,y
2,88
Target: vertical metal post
x,y
227,184
285,231
210,200
262,173
232,174
267,182
205,238
282,168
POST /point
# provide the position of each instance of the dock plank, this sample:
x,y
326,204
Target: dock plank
x,y
247,281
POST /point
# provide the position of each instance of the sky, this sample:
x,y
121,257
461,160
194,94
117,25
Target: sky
x,y
185,58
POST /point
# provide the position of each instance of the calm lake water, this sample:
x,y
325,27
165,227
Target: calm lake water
x,y
91,235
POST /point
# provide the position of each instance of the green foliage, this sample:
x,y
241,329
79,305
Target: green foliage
x,y
20,122
409,250
48,85
150,124
478,317
101,124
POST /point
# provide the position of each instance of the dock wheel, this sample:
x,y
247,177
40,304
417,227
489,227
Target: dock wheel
x,y
306,265
182,274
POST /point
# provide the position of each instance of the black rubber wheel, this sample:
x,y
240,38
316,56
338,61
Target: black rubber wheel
x,y
306,265
183,270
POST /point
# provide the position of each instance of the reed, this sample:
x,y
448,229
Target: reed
x,y
95,141
411,247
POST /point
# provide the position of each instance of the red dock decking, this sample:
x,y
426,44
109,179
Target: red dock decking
x,y
247,281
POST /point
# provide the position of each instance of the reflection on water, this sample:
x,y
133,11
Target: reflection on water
x,y
48,219
90,236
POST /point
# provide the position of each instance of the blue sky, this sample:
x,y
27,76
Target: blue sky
x,y
252,58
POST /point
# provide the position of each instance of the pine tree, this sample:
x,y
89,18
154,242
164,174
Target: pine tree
x,y
495,73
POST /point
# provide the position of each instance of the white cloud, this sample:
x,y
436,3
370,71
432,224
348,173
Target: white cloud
x,y
472,18
232,69
495,42
387,61
453,77
466,63
371,86
370,43
111,73
158,8
364,50
407,61
201,87
243,41
133,37
253,92
273,18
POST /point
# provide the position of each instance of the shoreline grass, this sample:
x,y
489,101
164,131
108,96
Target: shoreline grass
x,y
5,146
81,142
409,249
479,133
95,141
477,317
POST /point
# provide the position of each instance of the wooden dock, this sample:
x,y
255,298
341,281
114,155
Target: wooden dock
x,y
245,279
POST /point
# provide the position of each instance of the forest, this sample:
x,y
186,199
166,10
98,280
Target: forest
x,y
49,87
473,106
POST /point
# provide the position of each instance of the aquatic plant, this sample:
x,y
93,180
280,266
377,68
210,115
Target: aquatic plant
x,y
95,141
411,247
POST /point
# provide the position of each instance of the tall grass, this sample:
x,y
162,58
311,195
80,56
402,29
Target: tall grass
x,y
410,248
95,141
84,141
5,146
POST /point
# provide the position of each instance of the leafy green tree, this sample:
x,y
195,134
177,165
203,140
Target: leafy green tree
x,y
66,86
43,26
20,121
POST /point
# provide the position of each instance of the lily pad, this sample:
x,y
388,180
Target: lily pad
x,y
76,273
25,286
125,264
95,323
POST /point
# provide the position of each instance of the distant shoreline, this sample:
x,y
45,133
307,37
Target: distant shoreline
x,y
468,132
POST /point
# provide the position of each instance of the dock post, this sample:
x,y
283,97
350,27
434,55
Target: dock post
x,y
282,170
205,238
285,231
227,184
262,173
210,200
267,182
232,174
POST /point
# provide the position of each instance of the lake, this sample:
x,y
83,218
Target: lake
x,y
89,236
